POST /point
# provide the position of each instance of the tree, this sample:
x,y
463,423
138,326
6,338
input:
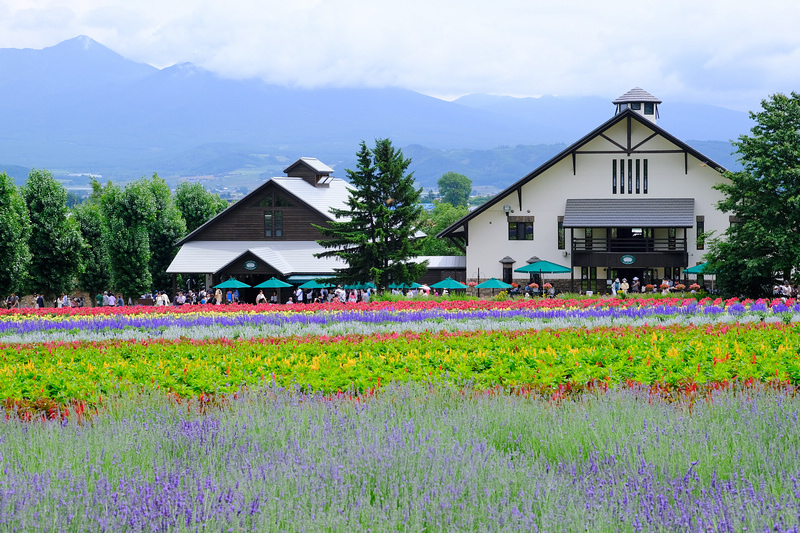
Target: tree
x,y
197,204
442,215
164,230
375,235
127,214
764,243
455,189
15,230
96,275
55,241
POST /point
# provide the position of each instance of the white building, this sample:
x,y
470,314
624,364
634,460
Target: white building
x,y
627,200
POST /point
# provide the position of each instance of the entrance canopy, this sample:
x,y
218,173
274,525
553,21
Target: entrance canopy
x,y
629,213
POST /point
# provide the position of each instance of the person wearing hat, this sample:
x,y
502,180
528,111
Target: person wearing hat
x,y
623,287
636,287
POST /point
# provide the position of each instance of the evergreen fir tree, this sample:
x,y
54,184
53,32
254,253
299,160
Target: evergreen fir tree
x,y
376,234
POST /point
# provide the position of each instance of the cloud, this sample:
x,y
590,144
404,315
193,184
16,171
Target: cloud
x,y
726,51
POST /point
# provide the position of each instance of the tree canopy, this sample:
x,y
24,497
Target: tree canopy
x,y
164,230
55,240
15,230
96,275
197,204
375,235
764,242
127,215
442,216
455,189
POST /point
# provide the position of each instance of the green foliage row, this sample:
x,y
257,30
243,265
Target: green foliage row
x,y
120,237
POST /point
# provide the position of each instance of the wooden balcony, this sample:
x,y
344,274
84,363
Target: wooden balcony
x,y
632,252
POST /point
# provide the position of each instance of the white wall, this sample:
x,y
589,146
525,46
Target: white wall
x,y
545,196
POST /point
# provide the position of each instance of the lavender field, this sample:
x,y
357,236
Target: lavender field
x,y
414,457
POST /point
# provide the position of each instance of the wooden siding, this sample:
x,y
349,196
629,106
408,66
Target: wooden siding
x,y
245,220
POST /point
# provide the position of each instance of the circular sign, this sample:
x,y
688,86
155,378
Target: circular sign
x,y
627,259
250,265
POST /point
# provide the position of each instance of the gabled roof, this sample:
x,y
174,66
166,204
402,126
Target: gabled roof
x,y
311,162
321,199
626,114
335,194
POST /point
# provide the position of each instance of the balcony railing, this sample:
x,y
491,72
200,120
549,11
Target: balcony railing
x,y
626,245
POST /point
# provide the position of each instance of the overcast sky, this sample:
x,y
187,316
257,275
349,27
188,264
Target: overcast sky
x,y
732,53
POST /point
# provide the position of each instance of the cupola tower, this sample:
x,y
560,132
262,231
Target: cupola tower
x,y
640,101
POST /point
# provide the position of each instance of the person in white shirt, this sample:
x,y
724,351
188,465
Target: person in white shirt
x,y
112,300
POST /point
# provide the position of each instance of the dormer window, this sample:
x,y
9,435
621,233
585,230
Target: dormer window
x,y
636,106
649,108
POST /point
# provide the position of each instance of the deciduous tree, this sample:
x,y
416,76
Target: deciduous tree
x,y
442,215
55,241
165,229
197,204
375,235
455,189
764,242
127,215
15,230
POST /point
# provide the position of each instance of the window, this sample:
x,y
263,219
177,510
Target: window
x,y
630,176
520,231
649,108
588,234
638,161
273,200
613,176
644,176
273,223
671,235
636,106
701,229
622,176
562,240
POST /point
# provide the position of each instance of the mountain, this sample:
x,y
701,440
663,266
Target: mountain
x,y
79,108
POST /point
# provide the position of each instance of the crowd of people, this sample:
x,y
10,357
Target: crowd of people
x,y
300,296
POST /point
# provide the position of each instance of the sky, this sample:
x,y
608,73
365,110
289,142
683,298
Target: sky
x,y
731,53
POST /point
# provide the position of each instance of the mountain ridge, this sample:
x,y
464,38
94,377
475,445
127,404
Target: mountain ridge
x,y
79,107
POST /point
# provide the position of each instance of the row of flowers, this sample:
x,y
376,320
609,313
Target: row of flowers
x,y
445,304
549,358
210,323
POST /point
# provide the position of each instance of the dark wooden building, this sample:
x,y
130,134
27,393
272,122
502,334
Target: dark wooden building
x,y
270,232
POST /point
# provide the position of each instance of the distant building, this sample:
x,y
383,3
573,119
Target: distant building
x,y
270,232
627,200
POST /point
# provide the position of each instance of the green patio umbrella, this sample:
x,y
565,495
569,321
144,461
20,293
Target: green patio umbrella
x,y
412,285
448,283
232,284
493,284
315,284
359,286
272,283
539,266
699,269
543,267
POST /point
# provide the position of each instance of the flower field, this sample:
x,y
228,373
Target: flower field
x,y
536,415
546,344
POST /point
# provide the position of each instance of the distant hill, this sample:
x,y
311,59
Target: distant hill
x,y
80,108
